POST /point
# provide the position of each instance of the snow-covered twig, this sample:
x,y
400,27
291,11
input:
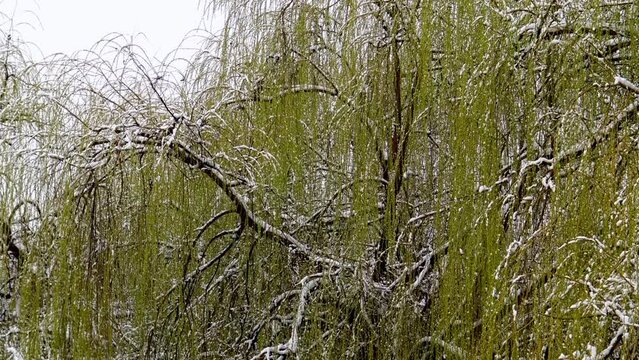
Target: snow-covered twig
x,y
295,89
597,242
291,347
426,215
614,342
293,342
626,84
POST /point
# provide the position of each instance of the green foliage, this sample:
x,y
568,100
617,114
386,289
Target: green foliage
x,y
405,179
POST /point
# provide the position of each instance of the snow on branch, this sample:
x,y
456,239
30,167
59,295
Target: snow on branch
x,y
425,215
309,284
295,89
614,342
181,151
600,137
306,290
626,84
563,29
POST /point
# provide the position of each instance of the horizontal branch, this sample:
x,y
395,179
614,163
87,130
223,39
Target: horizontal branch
x,y
211,221
426,215
557,30
295,89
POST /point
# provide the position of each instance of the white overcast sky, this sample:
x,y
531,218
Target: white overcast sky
x,y
68,26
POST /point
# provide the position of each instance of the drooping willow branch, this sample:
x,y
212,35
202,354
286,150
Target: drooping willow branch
x,y
182,152
578,151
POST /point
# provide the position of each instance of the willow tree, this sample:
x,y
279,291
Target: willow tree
x,y
332,179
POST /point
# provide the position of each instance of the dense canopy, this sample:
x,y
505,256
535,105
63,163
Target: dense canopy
x,y
329,179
